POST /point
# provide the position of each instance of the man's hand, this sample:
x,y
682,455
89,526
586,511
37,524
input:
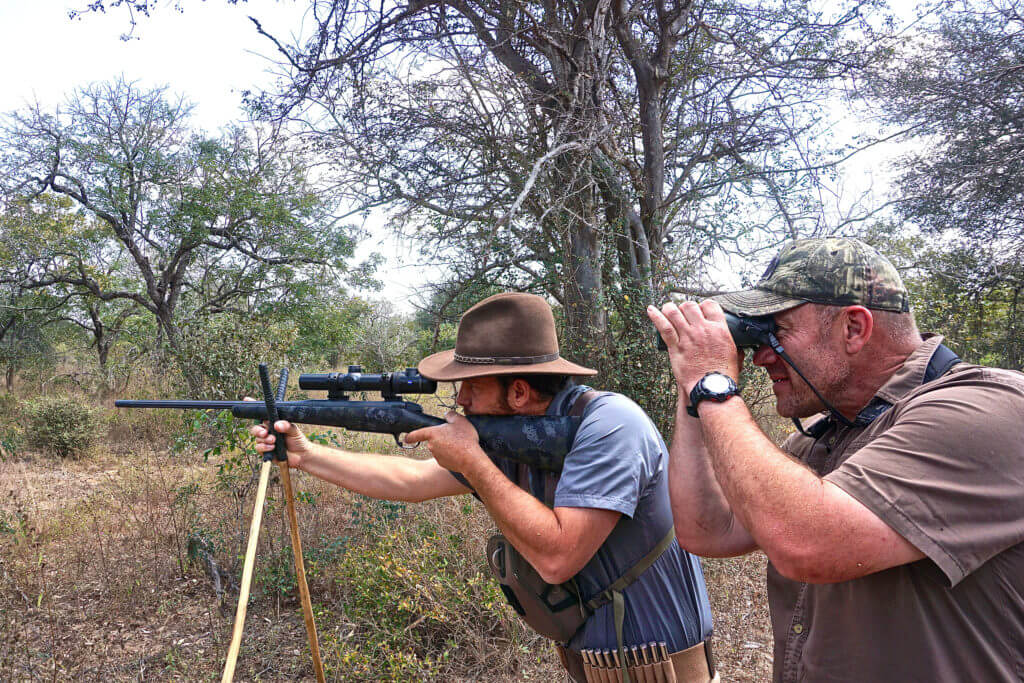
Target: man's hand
x,y
455,446
698,341
296,443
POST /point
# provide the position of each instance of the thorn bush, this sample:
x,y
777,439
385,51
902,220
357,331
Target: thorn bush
x,y
60,426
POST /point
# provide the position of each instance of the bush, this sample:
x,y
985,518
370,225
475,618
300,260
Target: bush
x,y
60,426
11,430
220,355
415,601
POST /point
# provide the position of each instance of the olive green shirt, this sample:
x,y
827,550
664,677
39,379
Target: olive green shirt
x,y
944,467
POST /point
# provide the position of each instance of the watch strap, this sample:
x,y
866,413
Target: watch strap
x,y
699,393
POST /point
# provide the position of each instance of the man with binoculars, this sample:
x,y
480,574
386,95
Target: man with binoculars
x,y
894,521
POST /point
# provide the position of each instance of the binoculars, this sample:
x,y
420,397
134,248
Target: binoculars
x,y
747,333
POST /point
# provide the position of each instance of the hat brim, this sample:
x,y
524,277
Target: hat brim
x,y
442,367
754,302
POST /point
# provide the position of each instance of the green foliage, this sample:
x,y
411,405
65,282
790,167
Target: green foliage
x,y
956,83
327,328
61,426
221,354
164,223
10,444
963,292
414,597
11,430
14,523
226,439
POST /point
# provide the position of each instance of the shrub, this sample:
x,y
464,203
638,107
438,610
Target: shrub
x,y
61,427
10,426
414,600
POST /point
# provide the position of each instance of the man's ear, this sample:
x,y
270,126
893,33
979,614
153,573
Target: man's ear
x,y
519,393
857,327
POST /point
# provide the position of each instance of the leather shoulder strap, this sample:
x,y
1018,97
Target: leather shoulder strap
x,y
583,400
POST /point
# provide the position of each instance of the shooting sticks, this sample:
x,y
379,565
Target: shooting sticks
x,y
280,454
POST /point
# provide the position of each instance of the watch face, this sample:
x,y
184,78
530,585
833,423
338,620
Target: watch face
x,y
716,384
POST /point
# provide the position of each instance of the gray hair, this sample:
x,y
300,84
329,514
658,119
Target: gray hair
x,y
898,328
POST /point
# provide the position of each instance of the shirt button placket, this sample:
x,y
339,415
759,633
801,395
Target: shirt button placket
x,y
795,641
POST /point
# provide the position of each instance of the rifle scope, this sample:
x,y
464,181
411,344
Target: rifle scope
x,y
389,384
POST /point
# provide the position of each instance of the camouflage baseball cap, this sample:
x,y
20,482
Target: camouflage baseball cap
x,y
833,270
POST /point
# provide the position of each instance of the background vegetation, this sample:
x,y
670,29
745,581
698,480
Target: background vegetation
x,y
605,155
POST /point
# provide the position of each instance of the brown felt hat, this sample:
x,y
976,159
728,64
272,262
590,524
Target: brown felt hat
x,y
505,334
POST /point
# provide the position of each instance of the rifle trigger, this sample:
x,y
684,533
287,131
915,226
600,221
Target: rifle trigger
x,y
402,445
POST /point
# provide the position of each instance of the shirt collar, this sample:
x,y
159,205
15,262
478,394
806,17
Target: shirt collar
x,y
910,375
563,400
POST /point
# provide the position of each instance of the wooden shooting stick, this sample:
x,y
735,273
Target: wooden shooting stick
x,y
280,453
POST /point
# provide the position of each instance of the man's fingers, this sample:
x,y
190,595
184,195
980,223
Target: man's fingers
x,y
661,324
668,321
711,310
692,312
417,435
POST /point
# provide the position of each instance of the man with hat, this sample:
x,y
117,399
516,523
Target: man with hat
x,y
599,534
894,522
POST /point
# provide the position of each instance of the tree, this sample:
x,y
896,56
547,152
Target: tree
x,y
958,288
47,235
24,319
560,146
958,85
192,223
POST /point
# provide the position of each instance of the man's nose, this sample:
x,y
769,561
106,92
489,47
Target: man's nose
x,y
462,396
763,356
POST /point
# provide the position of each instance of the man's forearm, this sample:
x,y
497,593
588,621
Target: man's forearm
x,y
558,542
775,497
527,523
377,476
704,521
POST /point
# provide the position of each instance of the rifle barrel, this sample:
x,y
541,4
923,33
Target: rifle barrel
x,y
194,405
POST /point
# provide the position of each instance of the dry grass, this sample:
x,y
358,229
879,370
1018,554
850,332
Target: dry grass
x,y
96,582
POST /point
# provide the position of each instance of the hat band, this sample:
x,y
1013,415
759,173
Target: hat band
x,y
506,360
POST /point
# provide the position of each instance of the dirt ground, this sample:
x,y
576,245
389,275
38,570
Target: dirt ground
x,y
93,586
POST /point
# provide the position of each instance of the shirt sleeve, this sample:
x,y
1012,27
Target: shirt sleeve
x,y
948,475
611,459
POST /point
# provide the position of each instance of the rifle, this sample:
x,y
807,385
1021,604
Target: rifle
x,y
541,442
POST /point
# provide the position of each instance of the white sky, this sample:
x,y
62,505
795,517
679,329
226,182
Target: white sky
x,y
210,53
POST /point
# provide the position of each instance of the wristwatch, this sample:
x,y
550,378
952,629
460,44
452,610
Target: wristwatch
x,y
715,386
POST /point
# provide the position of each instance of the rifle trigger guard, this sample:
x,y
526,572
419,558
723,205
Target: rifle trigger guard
x,y
403,446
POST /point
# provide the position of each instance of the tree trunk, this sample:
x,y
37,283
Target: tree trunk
x,y
586,316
